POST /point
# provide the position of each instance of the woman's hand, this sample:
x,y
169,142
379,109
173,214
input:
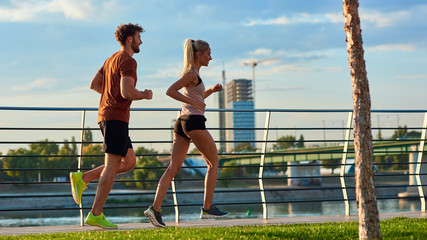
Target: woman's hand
x,y
217,87
199,105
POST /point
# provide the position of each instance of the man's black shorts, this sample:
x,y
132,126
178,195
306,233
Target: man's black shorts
x,y
116,137
186,123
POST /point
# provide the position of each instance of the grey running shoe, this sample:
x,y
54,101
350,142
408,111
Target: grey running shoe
x,y
154,217
212,213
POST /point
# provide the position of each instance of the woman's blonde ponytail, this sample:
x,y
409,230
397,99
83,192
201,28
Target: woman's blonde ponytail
x,y
190,49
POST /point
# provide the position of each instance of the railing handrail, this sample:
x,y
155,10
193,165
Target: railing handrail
x,y
217,109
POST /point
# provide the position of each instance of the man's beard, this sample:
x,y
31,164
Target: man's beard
x,y
135,47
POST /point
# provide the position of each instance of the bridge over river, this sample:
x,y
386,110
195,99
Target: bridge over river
x,y
323,153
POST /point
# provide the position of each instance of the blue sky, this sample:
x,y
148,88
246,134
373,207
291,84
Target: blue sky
x,y
50,50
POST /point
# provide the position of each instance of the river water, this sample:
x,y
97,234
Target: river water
x,y
56,218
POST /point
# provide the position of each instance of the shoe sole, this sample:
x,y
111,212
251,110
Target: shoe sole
x,y
208,216
74,189
152,219
100,226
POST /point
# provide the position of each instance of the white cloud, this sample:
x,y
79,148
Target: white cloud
x,y
278,21
379,19
72,9
261,51
304,55
394,47
29,10
304,69
383,19
263,61
290,68
300,18
415,76
20,12
42,83
281,89
169,71
335,17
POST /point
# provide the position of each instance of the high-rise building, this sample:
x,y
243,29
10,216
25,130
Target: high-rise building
x,y
239,97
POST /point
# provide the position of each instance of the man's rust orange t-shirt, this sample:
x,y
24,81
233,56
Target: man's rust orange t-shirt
x,y
112,105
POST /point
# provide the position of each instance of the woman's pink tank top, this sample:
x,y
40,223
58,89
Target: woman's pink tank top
x,y
195,92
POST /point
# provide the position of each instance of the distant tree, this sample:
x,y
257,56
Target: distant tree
x,y
332,163
300,143
17,160
285,142
44,155
89,148
87,136
402,133
229,172
63,161
3,174
73,145
379,136
47,151
41,154
414,134
244,147
276,167
384,163
44,147
97,156
195,151
397,162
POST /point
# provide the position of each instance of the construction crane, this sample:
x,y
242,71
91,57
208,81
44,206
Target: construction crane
x,y
254,64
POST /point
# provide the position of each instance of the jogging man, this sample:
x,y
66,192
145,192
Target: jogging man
x,y
115,81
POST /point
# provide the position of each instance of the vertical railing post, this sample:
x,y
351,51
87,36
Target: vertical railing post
x,y
343,163
175,200
419,164
174,195
261,166
80,161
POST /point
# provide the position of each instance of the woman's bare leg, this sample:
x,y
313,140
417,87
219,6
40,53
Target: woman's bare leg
x,y
179,152
206,145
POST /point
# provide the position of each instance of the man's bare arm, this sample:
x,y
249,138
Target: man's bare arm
x,y
129,92
96,83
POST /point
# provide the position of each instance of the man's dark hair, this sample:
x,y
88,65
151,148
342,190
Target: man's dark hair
x,y
127,30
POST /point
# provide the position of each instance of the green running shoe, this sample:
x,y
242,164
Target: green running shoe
x,y
77,186
99,221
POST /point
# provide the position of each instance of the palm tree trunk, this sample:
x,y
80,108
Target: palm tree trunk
x,y
369,224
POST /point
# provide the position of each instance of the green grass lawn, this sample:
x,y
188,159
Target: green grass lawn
x,y
395,228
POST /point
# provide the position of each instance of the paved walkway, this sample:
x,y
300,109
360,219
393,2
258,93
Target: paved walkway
x,y
206,223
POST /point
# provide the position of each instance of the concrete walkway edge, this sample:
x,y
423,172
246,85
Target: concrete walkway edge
x,y
205,223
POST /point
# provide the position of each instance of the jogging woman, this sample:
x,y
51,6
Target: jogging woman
x,y
190,126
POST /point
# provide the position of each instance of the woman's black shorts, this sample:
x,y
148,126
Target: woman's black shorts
x,y
187,123
116,137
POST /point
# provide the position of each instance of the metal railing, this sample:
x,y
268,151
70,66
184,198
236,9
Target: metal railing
x,y
265,158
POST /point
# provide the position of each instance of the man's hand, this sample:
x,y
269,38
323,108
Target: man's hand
x,y
148,94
